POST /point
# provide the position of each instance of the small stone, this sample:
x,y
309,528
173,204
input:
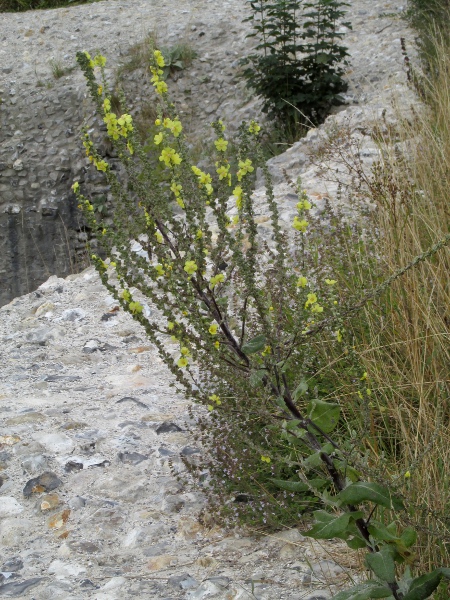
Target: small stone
x,y
73,465
30,417
46,482
77,502
12,565
168,427
84,547
63,570
131,399
188,451
49,501
44,308
132,458
55,442
182,582
63,378
9,507
73,425
88,585
34,464
16,589
59,520
73,314
8,440
161,562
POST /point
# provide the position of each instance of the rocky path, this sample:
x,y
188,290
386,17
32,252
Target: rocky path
x,y
88,505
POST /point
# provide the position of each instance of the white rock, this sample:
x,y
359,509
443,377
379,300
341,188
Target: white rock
x,y
9,507
55,442
62,570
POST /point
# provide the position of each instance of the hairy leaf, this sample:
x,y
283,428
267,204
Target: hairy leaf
x,y
324,414
329,525
365,591
254,345
363,491
382,564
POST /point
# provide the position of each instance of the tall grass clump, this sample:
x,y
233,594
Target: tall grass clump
x,y
403,339
254,328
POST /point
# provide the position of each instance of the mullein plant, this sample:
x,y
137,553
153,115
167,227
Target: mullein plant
x,y
242,312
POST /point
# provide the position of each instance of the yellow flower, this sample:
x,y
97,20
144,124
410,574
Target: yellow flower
x,y
300,224
407,475
267,350
304,205
159,237
245,166
222,126
265,459
180,202
176,188
217,344
158,122
222,171
330,281
199,234
317,308
185,351
76,186
216,279
126,295
210,407
159,58
170,325
364,376
235,220
182,362
213,329
254,128
302,282
135,307
190,267
311,299
101,165
176,127
99,60
161,87
100,90
159,269
209,188
221,145
158,138
237,193
216,399
106,105
339,335
130,148
368,391
170,157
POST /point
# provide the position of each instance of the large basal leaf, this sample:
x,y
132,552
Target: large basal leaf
x,y
355,543
363,491
324,414
328,525
422,587
254,345
365,591
409,537
291,486
382,564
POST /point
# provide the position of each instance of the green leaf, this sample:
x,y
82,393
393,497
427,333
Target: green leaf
x,y
409,537
422,587
301,389
256,377
365,591
382,564
381,533
363,491
292,424
324,414
330,525
291,486
254,345
355,543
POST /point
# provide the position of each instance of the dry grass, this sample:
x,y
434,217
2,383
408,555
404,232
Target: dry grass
x,y
405,338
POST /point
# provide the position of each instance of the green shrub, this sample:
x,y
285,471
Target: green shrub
x,y
22,5
298,63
